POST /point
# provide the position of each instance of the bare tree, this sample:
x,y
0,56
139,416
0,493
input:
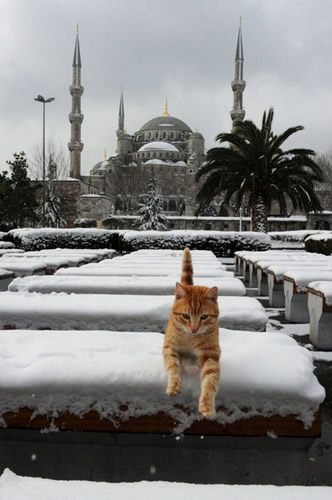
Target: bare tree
x,y
54,151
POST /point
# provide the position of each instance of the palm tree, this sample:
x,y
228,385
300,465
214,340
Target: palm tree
x,y
255,167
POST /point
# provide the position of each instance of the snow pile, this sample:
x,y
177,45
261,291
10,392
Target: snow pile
x,y
122,374
143,285
324,287
220,242
28,488
116,312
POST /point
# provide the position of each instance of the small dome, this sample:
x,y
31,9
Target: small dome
x,y
168,122
158,146
181,163
101,165
154,161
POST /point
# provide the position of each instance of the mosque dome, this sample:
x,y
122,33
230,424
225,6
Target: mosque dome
x,y
165,122
158,146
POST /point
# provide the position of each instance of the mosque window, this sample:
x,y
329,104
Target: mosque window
x,y
165,206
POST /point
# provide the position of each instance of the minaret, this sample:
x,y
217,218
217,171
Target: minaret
x,y
121,129
75,117
238,84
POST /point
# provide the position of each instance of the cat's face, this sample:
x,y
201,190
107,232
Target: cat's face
x,y
195,309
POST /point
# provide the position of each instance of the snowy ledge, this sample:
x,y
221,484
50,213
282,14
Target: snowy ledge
x,y
144,313
121,376
29,488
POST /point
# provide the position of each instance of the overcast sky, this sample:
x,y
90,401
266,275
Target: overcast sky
x,y
180,49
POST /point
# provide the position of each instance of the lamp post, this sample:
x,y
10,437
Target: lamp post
x,y
44,101
240,213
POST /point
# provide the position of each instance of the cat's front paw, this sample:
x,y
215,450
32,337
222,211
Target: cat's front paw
x,y
207,410
173,388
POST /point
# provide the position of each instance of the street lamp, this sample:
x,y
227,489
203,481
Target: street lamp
x,y
44,101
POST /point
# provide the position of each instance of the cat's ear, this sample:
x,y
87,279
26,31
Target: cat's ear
x,y
180,291
212,294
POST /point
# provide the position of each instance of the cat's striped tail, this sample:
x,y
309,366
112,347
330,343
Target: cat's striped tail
x,y
187,268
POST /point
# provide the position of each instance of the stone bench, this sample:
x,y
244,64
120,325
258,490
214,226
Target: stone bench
x,y
115,312
320,312
23,268
144,285
6,277
116,381
275,277
98,270
295,291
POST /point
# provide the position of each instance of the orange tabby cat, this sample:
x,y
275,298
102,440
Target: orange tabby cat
x,y
193,330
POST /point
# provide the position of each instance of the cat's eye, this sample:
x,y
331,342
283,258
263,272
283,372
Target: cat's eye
x,y
186,316
204,316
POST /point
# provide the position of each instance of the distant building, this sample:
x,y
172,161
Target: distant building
x,y
166,148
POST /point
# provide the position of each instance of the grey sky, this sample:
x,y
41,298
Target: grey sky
x,y
180,49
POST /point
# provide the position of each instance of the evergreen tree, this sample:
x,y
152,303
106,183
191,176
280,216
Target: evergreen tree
x,y
256,167
17,194
53,205
150,213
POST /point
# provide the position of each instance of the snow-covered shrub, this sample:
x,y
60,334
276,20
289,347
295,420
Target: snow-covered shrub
x,y
294,236
85,222
39,239
219,242
319,243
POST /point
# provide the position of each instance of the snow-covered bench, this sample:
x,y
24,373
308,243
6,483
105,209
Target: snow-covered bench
x,y
111,381
30,488
6,277
275,277
23,268
143,285
115,312
320,311
98,270
5,251
65,259
52,263
295,291
243,257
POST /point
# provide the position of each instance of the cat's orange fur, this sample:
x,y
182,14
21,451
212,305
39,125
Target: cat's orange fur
x,y
193,330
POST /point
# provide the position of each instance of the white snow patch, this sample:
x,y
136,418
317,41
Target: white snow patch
x,y
29,488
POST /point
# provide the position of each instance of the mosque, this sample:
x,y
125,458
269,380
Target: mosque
x,y
165,148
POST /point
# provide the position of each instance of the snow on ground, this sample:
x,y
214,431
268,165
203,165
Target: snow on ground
x,y
28,488
58,371
144,285
116,312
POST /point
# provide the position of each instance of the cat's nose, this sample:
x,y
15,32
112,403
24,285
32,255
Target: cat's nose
x,y
194,329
